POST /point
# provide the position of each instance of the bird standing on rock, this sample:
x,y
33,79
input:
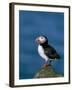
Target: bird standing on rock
x,y
46,51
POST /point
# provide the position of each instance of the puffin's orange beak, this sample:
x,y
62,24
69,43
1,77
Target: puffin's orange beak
x,y
37,41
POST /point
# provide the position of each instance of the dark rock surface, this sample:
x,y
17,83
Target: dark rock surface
x,y
47,72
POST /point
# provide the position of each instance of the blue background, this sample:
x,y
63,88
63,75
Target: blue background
x,y
31,25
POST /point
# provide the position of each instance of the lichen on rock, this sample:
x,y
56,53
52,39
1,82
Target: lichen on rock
x,y
47,72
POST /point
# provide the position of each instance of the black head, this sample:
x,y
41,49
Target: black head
x,y
42,40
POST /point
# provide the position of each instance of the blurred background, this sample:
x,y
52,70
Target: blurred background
x,y
31,25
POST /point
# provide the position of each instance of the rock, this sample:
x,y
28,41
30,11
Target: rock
x,y
47,72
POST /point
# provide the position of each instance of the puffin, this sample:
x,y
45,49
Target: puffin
x,y
46,51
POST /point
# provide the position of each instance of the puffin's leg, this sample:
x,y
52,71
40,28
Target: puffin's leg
x,y
46,64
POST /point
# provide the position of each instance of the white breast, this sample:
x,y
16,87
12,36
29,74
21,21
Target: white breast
x,y
41,53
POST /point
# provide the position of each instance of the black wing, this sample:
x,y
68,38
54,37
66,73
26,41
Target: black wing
x,y
51,53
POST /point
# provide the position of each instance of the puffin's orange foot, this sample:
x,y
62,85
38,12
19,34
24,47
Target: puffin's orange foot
x,y
46,65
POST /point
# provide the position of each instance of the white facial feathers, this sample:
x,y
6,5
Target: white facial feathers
x,y
40,39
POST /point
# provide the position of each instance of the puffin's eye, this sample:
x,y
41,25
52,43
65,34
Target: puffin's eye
x,y
41,37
